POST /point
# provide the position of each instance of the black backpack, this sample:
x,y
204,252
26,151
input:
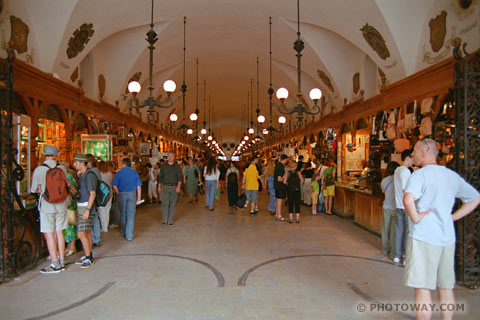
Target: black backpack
x,y
293,181
232,178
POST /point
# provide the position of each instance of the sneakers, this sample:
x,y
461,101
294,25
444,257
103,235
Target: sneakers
x,y
52,269
81,260
396,260
87,263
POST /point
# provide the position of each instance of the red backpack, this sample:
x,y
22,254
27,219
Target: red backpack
x,y
56,187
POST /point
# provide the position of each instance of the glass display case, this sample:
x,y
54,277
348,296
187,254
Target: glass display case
x,y
21,141
100,145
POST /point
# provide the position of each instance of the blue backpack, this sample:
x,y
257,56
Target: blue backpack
x,y
103,193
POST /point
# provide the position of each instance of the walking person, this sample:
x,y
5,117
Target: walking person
x,y
223,174
52,207
169,186
328,186
251,184
280,186
268,177
152,183
128,186
211,175
104,212
86,208
400,179
191,177
429,198
389,214
232,186
294,182
92,164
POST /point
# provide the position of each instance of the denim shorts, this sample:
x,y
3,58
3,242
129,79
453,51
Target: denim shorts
x,y
252,195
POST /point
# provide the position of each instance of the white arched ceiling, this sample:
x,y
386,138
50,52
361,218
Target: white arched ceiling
x,y
227,36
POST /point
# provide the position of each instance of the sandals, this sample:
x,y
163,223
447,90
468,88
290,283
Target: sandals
x,y
69,253
290,221
280,219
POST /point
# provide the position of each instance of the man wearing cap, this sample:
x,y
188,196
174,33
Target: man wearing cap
x,y
87,186
125,183
53,216
92,165
169,184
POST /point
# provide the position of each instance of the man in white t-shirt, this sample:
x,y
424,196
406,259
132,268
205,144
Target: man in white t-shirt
x,y
400,179
429,199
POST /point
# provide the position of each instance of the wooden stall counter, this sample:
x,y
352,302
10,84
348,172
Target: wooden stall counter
x,y
359,203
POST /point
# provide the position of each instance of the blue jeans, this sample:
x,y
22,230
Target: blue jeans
x,y
271,189
128,203
401,233
96,228
169,200
211,186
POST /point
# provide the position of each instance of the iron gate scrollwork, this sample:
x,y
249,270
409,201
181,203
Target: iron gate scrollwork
x,y
467,156
17,253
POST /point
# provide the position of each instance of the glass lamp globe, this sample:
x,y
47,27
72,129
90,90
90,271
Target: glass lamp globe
x,y
251,131
189,131
134,87
261,119
210,138
315,94
245,138
193,117
203,131
282,93
265,131
173,117
169,86
282,119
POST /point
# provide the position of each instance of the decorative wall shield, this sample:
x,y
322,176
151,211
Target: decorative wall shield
x,y
79,39
438,30
101,85
325,79
356,82
19,34
375,41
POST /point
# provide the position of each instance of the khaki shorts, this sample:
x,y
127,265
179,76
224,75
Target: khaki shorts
x,y
49,222
329,191
429,266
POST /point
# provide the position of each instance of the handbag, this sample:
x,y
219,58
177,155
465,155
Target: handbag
x,y
200,188
426,105
426,126
72,216
217,194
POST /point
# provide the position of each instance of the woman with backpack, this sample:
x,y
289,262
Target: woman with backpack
x,y
328,186
232,186
294,182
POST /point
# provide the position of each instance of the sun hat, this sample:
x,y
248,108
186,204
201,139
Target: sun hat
x,y
51,151
80,157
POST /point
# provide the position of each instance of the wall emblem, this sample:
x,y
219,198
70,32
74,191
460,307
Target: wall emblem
x,y
325,79
438,30
356,82
375,41
101,85
19,34
79,39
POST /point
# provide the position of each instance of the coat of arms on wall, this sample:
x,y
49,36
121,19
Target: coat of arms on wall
x,y
356,82
19,34
101,85
375,41
325,79
438,30
79,39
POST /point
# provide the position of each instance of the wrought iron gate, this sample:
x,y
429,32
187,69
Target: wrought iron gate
x,y
467,156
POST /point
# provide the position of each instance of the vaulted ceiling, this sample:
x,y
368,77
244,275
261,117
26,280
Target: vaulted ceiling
x,y
228,35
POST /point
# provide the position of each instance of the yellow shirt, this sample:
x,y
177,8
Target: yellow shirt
x,y
251,178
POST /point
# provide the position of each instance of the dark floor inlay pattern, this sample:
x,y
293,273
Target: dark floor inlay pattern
x,y
218,274
243,279
76,304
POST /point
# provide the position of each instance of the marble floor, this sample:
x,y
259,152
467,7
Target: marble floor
x,y
216,265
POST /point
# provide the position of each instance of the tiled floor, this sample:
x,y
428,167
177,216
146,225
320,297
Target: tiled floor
x,y
215,265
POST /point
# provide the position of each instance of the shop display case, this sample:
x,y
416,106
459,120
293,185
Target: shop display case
x,y
100,145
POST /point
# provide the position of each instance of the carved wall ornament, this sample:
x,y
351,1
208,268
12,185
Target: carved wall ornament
x,y
79,39
375,41
19,34
356,82
101,85
326,80
438,30
74,75
383,78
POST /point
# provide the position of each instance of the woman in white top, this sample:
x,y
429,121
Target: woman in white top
x,y
104,212
211,174
389,217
